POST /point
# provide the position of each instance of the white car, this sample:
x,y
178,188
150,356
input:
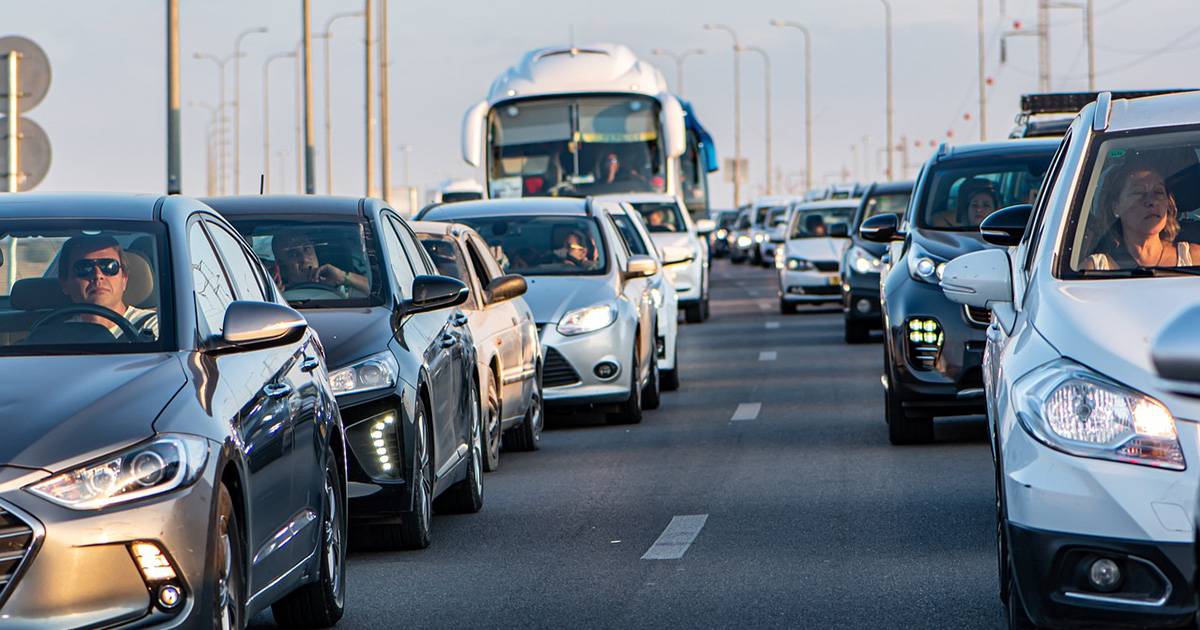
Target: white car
x,y
1095,448
809,250
677,238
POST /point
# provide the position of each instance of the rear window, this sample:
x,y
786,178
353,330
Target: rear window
x,y
661,216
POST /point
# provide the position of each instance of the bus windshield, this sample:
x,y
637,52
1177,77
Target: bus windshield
x,y
575,146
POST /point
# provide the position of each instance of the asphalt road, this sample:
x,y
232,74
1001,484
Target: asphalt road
x,y
812,519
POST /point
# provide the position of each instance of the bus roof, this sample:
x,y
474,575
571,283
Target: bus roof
x,y
573,69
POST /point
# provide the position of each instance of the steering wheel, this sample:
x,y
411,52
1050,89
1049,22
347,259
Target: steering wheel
x,y
130,334
312,286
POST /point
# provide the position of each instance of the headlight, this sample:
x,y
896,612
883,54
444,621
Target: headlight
x,y
377,371
586,320
657,297
722,233
744,240
758,238
160,465
1075,410
863,262
923,267
799,264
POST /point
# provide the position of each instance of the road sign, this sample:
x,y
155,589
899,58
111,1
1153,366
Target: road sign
x,y
34,76
35,153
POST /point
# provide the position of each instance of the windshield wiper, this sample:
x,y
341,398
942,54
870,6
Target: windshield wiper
x,y
1189,271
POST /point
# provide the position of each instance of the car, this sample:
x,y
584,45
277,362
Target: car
x,y
1091,373
681,240
178,458
1048,115
933,348
762,211
508,355
862,262
809,250
777,217
718,243
402,360
741,237
593,305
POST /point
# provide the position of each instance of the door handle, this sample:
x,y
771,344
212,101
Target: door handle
x,y
459,319
277,390
309,364
448,340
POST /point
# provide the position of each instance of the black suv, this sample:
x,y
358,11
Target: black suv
x,y
862,262
933,347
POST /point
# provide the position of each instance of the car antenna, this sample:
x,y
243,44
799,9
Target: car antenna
x,y
262,183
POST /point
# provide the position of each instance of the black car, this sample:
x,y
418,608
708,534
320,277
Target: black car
x,y
933,347
401,357
718,243
862,262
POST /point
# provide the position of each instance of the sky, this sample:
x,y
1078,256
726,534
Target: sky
x,y
105,110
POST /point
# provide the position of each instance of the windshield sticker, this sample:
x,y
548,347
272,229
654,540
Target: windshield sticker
x,y
1116,153
640,136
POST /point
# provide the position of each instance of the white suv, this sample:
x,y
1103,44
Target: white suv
x,y
1096,453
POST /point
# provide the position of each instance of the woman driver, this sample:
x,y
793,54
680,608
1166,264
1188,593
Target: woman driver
x,y
1144,223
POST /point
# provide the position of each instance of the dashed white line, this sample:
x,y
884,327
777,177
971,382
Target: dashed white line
x,y
769,355
766,306
746,411
680,533
772,325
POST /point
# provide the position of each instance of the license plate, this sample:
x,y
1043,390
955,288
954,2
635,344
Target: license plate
x,y
834,280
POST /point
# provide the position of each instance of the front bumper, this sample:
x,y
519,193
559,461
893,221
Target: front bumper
x,y
809,286
376,496
568,372
860,297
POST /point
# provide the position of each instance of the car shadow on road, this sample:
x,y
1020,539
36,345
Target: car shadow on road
x,y
960,429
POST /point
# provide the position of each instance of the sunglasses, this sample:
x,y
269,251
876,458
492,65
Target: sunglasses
x,y
84,267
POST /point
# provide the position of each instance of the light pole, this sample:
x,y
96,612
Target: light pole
x,y
808,144
174,184
385,130
267,114
410,191
328,37
369,100
210,130
678,57
767,96
237,105
737,109
887,17
310,166
220,61
982,79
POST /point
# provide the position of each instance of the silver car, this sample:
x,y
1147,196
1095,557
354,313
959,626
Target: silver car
x,y
591,298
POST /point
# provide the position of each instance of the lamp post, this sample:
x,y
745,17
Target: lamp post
x,y
267,114
237,104
221,164
887,18
385,130
209,132
328,37
808,144
678,57
310,161
174,183
737,109
369,100
767,97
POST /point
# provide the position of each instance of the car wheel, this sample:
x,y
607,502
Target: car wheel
x,y
466,496
1014,610
903,428
693,314
415,525
668,380
857,332
652,394
630,411
705,311
528,436
322,603
491,425
226,562
757,257
786,307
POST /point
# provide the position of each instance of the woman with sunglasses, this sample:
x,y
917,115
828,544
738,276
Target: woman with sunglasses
x,y
93,270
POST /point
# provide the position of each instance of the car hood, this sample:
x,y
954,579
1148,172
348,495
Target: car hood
x,y
349,334
817,248
64,410
664,240
949,245
550,297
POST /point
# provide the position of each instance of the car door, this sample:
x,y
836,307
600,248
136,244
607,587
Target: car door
x,y
254,387
503,328
635,290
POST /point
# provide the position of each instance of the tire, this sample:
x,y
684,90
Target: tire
x,y
322,603
491,425
630,411
668,380
227,561
786,307
528,435
413,531
466,496
903,429
857,332
1014,610
756,257
693,313
705,311
652,394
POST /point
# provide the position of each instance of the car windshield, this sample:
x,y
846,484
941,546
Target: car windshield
x,y
1140,211
445,254
777,216
889,203
318,262
82,287
743,221
661,216
544,245
575,146
761,214
818,222
959,198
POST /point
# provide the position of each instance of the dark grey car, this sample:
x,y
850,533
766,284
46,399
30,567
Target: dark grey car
x,y
172,452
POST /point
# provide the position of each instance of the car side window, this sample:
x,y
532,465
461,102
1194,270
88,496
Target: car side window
x,y
481,270
1033,235
213,292
397,259
485,254
421,264
247,281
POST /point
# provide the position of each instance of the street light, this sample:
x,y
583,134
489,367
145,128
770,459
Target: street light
x,y
220,61
328,37
737,109
237,105
767,88
267,114
209,134
808,143
678,57
887,39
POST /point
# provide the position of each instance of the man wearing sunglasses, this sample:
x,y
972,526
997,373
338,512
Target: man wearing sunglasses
x,y
92,270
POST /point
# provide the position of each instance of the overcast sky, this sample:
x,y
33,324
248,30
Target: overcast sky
x,y
105,110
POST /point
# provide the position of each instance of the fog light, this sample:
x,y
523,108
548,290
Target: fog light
x,y
1104,575
605,369
153,563
863,306
169,596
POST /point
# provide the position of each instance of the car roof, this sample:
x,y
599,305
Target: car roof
x,y
852,202
286,204
507,207
1004,148
638,197
886,188
121,206
1166,110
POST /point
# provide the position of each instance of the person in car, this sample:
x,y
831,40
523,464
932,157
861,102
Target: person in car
x,y
814,225
612,171
296,263
1142,220
94,270
980,202
575,250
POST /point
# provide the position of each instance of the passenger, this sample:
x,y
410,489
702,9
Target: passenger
x,y
575,250
94,270
611,170
1142,220
976,200
657,219
814,225
296,263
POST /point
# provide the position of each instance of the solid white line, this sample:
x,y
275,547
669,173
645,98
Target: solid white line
x,y
770,355
676,538
746,411
772,325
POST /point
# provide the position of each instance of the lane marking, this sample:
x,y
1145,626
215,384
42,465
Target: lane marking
x,y
674,541
746,411
770,355
772,325
752,292
766,306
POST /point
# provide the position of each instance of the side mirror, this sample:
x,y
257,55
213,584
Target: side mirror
x,y
1175,352
640,267
978,279
674,128
472,133
705,226
779,234
881,228
432,293
1006,226
505,288
249,324
839,230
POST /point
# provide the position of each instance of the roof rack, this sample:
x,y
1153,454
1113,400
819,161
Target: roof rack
x,y
1072,102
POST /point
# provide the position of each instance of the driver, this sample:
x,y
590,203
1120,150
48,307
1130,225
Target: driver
x,y
815,225
296,263
575,249
92,270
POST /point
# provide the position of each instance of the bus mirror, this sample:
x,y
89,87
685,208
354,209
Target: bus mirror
x,y
674,128
472,133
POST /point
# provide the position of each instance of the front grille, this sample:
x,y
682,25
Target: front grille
x,y
978,316
831,289
825,265
556,371
16,541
